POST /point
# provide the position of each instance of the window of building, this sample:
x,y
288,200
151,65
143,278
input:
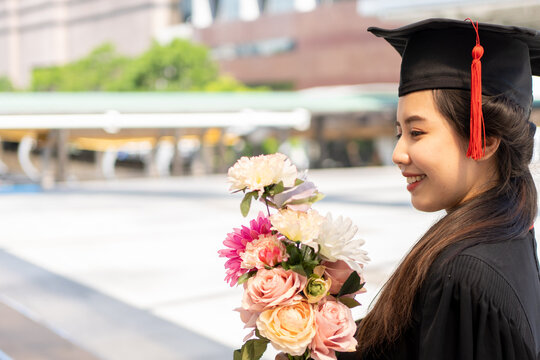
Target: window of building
x,y
262,5
229,10
214,7
186,8
279,6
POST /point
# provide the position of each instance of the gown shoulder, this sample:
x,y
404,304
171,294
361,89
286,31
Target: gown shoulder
x,y
482,303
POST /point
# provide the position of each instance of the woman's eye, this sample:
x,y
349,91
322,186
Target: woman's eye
x,y
415,133
398,136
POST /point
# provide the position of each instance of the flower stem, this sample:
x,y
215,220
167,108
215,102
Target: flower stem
x,y
267,207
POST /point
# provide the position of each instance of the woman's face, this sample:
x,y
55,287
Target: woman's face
x,y
432,156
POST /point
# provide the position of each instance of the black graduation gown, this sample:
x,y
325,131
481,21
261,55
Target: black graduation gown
x,y
483,304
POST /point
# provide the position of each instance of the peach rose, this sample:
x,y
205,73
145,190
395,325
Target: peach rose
x,y
272,287
338,272
289,328
335,331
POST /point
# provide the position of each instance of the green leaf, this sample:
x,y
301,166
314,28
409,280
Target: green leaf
x,y
298,182
308,253
305,356
299,269
309,266
253,349
318,196
349,302
351,285
246,202
258,334
237,355
244,277
295,256
276,188
310,200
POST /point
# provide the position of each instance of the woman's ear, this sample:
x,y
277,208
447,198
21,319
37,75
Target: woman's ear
x,y
492,144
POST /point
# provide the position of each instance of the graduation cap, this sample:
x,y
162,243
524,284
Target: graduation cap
x,y
483,58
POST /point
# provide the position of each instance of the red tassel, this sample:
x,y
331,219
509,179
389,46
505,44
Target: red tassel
x,y
477,140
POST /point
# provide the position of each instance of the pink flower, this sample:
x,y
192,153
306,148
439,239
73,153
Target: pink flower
x,y
236,242
267,250
272,287
338,272
335,331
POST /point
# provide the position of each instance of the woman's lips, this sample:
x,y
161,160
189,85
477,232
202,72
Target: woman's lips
x,y
413,181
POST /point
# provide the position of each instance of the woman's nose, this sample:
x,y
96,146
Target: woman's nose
x,y
400,156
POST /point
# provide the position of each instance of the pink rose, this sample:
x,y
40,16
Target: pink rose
x,y
272,287
335,331
339,272
267,250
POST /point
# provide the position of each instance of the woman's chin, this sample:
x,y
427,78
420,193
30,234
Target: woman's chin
x,y
425,205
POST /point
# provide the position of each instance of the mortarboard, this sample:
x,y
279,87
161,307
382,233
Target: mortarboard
x,y
438,54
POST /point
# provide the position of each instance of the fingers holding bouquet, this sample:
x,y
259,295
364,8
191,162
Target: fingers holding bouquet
x,y
300,270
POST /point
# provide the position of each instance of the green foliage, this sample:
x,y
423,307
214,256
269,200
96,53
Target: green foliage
x,y
98,71
230,84
305,356
349,302
246,202
351,285
252,350
270,145
274,189
5,84
302,259
245,277
177,66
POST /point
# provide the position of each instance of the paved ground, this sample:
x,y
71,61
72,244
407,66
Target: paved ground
x,y
129,269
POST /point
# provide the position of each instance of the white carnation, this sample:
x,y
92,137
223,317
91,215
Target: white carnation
x,y
254,173
337,242
298,225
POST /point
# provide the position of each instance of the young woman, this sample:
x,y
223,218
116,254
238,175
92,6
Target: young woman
x,y
470,288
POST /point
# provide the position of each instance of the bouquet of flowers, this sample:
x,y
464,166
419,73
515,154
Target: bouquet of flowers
x,y
300,270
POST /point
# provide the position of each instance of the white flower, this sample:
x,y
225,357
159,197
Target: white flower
x,y
298,225
256,172
337,242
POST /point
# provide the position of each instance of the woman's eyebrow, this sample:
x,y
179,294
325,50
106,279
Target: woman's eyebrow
x,y
411,119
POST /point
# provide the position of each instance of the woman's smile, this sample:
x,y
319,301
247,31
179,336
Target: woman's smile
x,y
413,180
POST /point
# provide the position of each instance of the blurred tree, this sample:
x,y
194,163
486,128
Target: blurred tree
x,y
98,71
270,145
5,84
228,83
177,66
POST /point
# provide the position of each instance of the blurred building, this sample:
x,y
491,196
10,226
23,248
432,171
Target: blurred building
x,y
287,44
297,44
37,33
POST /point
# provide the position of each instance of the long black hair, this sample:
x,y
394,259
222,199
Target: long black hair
x,y
505,211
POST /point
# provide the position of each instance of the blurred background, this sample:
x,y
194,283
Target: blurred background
x,y
118,122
